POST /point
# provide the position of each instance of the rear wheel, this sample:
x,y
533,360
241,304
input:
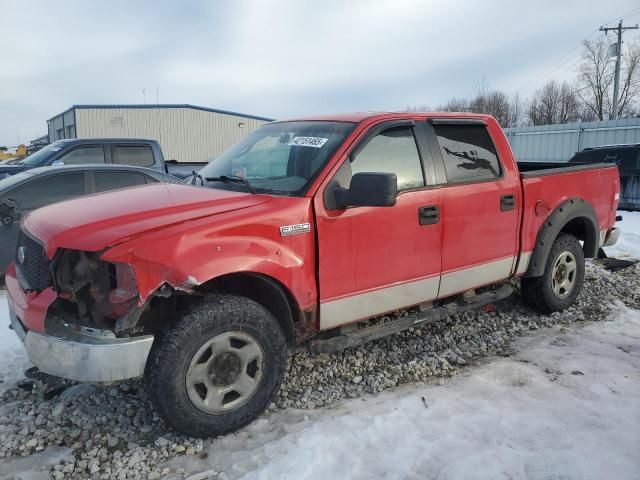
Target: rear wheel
x,y
218,367
562,279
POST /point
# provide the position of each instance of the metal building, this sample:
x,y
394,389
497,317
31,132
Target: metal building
x,y
558,143
187,133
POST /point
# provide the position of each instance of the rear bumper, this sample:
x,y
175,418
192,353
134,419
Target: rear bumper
x,y
72,353
612,237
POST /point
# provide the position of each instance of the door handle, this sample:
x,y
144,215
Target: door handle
x,y
507,202
429,215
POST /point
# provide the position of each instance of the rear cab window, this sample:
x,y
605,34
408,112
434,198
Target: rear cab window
x,y
467,152
137,155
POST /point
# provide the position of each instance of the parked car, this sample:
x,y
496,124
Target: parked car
x,y
121,151
627,157
27,191
299,232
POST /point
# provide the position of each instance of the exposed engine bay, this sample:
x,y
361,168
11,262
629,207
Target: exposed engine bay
x,y
99,293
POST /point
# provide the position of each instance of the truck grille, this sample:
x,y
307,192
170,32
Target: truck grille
x,y
32,265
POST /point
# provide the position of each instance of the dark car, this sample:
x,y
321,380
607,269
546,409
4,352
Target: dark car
x,y
627,157
137,152
35,188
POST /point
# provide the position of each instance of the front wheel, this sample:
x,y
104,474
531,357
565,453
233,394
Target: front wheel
x,y
218,367
562,279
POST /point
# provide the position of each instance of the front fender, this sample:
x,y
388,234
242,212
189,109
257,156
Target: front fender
x,y
191,262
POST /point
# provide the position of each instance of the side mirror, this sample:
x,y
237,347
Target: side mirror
x,y
369,189
9,213
57,163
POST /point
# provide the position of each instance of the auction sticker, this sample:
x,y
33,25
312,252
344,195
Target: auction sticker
x,y
315,142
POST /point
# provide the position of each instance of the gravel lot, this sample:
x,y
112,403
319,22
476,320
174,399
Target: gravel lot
x,y
80,431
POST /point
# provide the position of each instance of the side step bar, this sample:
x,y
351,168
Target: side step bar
x,y
359,336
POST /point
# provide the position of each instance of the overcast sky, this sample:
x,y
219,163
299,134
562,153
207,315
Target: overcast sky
x,y
281,58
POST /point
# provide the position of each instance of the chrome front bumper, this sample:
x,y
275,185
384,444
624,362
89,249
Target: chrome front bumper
x,y
85,358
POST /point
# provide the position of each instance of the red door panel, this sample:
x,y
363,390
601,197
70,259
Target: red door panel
x,y
479,241
480,208
378,259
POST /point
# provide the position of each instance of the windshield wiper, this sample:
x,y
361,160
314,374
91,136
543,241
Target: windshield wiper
x,y
232,179
196,176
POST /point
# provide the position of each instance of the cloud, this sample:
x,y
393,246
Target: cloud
x,y
277,58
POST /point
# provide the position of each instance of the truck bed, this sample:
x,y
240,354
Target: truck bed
x,y
546,185
540,169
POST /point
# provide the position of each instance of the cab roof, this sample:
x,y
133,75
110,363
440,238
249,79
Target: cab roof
x,y
358,117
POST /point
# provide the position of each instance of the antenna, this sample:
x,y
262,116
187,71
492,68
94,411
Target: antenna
x,y
144,96
157,96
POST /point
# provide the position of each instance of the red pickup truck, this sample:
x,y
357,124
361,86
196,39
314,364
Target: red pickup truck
x,y
297,236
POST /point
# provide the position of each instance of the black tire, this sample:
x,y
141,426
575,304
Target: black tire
x,y
539,291
174,353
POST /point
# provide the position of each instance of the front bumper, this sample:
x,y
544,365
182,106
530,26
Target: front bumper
x,y
85,358
70,352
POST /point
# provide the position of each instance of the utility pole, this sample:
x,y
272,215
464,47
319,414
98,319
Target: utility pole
x,y
616,80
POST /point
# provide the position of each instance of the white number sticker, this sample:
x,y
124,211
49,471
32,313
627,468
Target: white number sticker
x,y
315,142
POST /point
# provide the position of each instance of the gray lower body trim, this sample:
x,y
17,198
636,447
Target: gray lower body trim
x,y
349,309
476,276
523,263
335,313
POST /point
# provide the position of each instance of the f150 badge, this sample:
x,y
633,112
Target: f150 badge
x,y
296,229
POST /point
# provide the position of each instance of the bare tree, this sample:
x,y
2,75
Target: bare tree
x,y
630,77
596,77
554,103
507,111
455,105
516,117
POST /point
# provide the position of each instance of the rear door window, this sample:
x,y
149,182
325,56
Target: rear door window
x,y
112,180
468,153
138,155
84,155
46,190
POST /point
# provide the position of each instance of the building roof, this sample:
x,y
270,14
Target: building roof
x,y
163,105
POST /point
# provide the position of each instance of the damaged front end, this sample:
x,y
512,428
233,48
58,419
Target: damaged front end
x,y
95,327
95,293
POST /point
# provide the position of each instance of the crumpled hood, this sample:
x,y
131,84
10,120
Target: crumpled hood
x,y
95,222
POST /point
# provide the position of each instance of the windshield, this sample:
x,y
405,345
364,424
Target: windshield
x,y
280,158
36,159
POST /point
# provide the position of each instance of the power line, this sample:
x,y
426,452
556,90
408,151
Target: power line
x,y
618,46
563,61
560,62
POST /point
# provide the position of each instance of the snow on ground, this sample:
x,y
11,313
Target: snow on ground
x,y
14,360
566,406
629,244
